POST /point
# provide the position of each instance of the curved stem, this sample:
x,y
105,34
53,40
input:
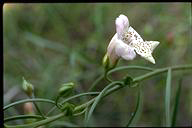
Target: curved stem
x,y
109,91
80,113
56,102
162,70
36,106
135,80
106,76
39,123
92,100
129,67
79,95
70,98
98,98
114,70
96,82
28,100
22,117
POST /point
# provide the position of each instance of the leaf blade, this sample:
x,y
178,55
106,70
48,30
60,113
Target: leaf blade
x,y
97,99
168,98
175,110
137,111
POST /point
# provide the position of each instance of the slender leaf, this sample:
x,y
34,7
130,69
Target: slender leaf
x,y
175,110
135,115
86,114
168,98
97,99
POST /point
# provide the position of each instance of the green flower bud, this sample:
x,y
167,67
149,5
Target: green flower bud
x,y
68,107
105,61
27,87
107,64
66,89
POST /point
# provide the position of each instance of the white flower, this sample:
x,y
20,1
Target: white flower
x,y
127,41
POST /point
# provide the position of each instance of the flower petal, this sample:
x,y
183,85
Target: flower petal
x,y
152,44
125,20
111,50
144,50
149,58
125,51
122,23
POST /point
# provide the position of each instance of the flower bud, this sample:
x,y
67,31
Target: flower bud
x,y
66,89
27,87
105,61
107,64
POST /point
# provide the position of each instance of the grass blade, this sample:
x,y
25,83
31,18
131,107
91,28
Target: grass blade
x,y
137,111
175,110
168,98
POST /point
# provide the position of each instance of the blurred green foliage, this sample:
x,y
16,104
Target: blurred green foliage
x,y
51,44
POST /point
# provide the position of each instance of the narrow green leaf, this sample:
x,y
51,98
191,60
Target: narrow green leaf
x,y
86,114
175,110
168,98
135,115
97,99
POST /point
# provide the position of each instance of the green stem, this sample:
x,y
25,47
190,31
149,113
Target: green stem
x,y
39,123
117,69
80,113
48,120
36,106
98,98
70,98
79,95
92,100
106,76
22,117
129,67
111,90
28,100
56,102
135,80
162,70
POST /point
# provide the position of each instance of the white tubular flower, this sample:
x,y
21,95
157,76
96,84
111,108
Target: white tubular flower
x,y
127,41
